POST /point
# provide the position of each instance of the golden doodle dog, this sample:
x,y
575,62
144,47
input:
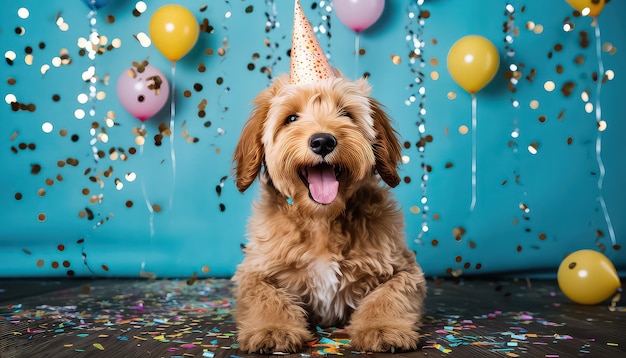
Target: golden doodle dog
x,y
326,242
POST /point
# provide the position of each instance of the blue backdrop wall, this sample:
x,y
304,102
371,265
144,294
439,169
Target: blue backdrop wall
x,y
87,189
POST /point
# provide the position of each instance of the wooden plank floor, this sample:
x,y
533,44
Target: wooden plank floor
x,y
169,318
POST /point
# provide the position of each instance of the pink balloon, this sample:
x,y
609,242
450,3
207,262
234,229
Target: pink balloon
x,y
143,91
358,15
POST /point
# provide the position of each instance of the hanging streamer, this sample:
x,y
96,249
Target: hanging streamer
x,y
323,27
271,24
417,96
225,51
598,112
91,47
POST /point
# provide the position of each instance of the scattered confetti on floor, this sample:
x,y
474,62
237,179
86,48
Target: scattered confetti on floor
x,y
170,318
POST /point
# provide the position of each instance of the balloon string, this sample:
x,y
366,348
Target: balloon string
x,y
599,80
144,193
473,203
93,31
172,149
356,56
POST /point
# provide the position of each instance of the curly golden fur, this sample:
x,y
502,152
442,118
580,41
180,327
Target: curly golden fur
x,y
331,255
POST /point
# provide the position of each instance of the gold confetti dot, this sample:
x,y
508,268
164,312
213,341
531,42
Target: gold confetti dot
x,y
458,233
534,104
451,95
396,59
463,129
415,209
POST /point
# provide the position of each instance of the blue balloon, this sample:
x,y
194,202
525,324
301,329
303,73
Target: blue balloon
x,y
96,4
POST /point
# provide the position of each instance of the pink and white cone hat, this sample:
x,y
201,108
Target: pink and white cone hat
x,y
308,62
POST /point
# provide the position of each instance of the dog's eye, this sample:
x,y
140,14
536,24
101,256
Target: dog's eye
x,y
346,114
291,118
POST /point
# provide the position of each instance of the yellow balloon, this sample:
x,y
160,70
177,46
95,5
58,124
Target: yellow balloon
x,y
594,6
174,31
587,277
472,62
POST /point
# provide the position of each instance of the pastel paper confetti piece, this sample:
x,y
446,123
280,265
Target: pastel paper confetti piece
x,y
442,348
98,346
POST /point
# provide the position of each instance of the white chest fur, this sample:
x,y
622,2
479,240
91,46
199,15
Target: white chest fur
x,y
324,282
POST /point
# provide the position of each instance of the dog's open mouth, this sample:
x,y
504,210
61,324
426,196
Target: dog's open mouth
x,y
322,182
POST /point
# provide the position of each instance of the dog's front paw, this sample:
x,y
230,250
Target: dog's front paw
x,y
383,339
273,339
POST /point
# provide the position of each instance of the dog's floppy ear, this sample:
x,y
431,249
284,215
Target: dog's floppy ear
x,y
249,154
386,146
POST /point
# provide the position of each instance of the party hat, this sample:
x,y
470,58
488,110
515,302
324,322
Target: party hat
x,y
308,62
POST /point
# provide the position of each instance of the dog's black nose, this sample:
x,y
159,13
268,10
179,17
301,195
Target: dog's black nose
x,y
322,143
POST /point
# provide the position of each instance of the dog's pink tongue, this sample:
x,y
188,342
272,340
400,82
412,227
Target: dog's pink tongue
x,y
322,183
